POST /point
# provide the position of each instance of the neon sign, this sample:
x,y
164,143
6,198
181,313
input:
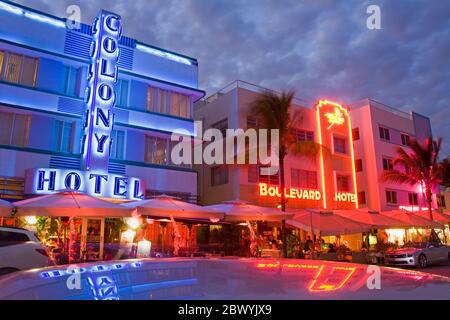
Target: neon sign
x,y
100,93
293,193
335,118
413,208
46,181
344,197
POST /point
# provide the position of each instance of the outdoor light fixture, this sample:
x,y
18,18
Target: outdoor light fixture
x,y
133,222
31,220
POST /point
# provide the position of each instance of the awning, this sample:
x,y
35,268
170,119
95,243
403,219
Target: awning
x,y
372,218
69,204
5,208
437,216
243,211
166,207
412,219
326,223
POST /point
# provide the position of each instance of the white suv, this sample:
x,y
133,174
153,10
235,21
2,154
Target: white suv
x,y
20,249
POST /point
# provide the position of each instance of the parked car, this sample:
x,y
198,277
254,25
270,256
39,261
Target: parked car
x,y
420,254
20,249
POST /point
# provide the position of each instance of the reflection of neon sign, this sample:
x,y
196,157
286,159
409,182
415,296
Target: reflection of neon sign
x,y
100,94
344,197
293,193
334,279
413,208
103,287
335,118
46,181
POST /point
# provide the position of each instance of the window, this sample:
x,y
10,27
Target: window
x,y
440,199
122,89
222,125
9,236
342,183
118,144
355,134
304,135
155,150
412,197
304,178
340,145
387,164
269,179
62,136
219,175
391,197
405,139
18,68
71,81
358,165
384,133
361,197
180,105
14,129
162,101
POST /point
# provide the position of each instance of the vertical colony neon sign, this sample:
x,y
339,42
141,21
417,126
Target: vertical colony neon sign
x,y
100,93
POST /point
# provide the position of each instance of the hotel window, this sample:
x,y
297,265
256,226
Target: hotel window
x,y
180,105
304,135
269,179
152,101
412,197
155,150
342,183
405,139
219,175
17,68
340,145
62,136
304,178
358,165
440,199
122,88
14,129
384,133
361,197
118,144
387,164
391,197
355,134
71,79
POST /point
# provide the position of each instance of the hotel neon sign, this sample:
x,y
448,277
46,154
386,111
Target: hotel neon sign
x,y
293,193
98,125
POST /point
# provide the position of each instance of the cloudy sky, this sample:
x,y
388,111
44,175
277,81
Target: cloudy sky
x,y
317,48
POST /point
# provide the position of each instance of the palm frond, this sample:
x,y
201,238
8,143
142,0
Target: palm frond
x,y
398,177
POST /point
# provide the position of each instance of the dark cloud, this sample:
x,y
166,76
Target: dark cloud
x,y
318,48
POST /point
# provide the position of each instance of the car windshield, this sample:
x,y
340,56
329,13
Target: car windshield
x,y
418,245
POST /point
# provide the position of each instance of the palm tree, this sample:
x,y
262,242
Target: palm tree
x,y
274,111
421,166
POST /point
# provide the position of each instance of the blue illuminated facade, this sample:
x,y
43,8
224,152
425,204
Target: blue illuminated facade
x,y
90,109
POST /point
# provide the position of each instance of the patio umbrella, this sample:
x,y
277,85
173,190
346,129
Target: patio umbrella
x,y
166,207
326,223
437,216
5,208
244,211
69,204
412,219
372,218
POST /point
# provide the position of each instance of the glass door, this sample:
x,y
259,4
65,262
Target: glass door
x,y
93,235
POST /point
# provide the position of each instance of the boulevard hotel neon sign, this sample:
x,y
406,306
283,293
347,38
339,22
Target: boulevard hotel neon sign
x,y
98,125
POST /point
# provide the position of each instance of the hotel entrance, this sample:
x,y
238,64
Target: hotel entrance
x,y
87,239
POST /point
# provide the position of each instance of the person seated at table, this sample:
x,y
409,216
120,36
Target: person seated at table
x,y
308,244
331,248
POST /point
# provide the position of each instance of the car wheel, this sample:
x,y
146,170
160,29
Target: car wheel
x,y
423,263
4,271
